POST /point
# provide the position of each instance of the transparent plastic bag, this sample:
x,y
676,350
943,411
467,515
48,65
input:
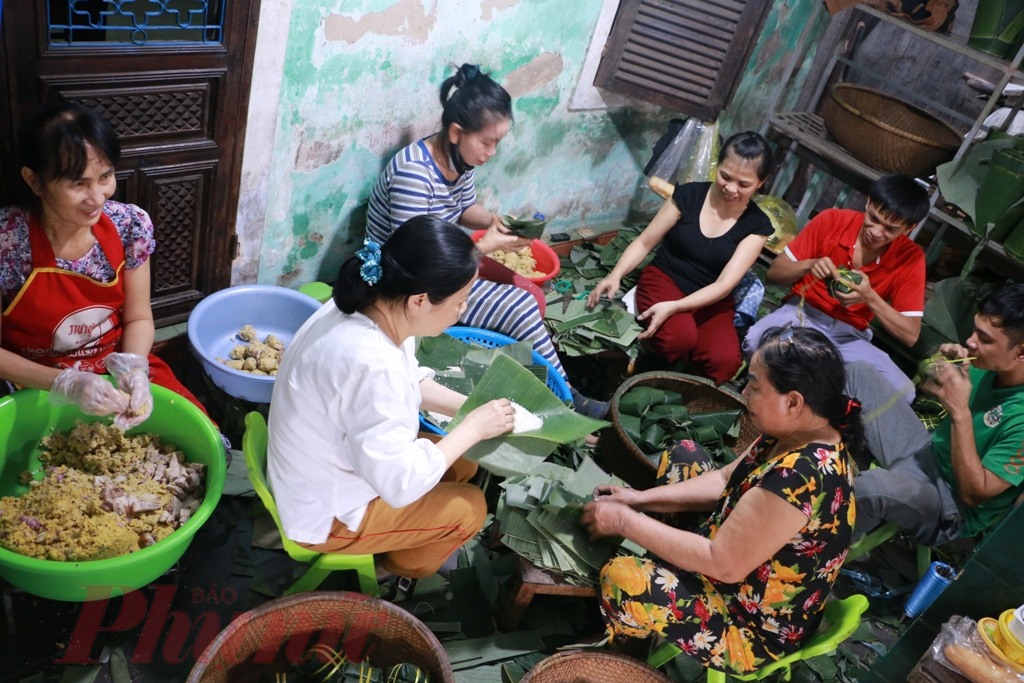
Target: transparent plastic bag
x,y
692,156
960,648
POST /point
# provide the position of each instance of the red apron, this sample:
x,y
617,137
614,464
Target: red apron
x,y
68,320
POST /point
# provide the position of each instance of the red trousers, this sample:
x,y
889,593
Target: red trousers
x,y
706,336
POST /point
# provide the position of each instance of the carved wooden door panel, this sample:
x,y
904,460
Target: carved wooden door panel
x,y
173,77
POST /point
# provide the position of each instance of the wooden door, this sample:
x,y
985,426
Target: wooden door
x,y
173,77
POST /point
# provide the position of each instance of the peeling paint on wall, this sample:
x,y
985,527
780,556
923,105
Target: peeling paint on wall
x,y
405,18
361,80
487,7
541,70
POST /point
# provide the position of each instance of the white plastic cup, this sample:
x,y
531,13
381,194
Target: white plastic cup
x,y
1017,624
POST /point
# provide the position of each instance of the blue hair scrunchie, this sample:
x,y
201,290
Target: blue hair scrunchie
x,y
471,72
370,256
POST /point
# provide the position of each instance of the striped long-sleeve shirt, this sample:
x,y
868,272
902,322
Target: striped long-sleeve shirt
x,y
412,185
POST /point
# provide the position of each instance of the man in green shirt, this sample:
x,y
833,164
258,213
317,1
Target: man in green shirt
x,y
957,481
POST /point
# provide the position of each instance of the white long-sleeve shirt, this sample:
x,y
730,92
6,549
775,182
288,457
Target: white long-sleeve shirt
x,y
344,424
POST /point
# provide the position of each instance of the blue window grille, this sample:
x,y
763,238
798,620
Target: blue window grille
x,y
135,22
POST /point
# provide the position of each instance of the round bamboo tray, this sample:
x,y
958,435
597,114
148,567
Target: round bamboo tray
x,y
700,395
283,630
584,666
886,132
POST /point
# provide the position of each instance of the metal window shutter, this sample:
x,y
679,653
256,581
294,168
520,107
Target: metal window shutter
x,y
686,55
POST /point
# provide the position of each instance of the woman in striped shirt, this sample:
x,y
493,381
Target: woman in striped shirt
x,y
434,176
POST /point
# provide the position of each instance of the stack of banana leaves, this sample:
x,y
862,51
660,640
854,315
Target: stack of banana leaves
x,y
459,366
987,183
488,374
578,331
655,420
539,518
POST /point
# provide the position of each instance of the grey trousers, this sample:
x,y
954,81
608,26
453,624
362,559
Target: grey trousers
x,y
854,344
906,488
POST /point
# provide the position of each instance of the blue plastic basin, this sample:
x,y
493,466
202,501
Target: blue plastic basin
x,y
214,324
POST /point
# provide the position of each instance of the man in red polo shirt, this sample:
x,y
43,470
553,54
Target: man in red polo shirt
x,y
874,244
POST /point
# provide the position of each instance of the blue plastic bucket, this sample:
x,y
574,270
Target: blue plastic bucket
x,y
489,340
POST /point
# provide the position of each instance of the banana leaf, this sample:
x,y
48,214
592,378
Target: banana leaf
x,y
671,411
513,454
1014,244
463,385
999,194
722,420
651,436
441,352
532,228
959,180
950,309
521,352
996,28
631,426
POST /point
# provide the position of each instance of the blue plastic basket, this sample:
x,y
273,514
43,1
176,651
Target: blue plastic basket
x,y
489,340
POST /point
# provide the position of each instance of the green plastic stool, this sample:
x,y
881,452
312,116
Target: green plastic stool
x,y
321,291
254,445
841,616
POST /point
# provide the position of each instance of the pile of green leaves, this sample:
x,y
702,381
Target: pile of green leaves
x,y
656,420
578,331
540,512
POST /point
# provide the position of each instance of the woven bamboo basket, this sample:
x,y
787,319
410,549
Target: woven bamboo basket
x,y
885,132
584,666
267,639
700,395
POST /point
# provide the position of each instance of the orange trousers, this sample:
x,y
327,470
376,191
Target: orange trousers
x,y
415,540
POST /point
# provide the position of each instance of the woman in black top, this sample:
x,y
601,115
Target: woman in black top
x,y
711,234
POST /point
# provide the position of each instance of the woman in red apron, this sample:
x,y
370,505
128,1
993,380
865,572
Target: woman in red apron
x,y
74,274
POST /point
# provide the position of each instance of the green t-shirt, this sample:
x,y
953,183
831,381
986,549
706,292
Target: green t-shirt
x,y
998,419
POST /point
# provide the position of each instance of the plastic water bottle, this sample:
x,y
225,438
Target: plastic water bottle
x,y
939,576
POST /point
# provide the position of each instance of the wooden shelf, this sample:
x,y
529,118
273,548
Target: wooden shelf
x,y
805,135
946,41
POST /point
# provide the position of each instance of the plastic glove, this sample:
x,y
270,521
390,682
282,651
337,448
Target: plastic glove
x,y
132,374
93,394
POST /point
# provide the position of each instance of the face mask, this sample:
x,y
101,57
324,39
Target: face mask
x,y
458,164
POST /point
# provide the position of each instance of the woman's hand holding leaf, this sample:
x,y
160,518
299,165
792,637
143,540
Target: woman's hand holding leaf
x,y
606,287
492,419
605,518
498,236
609,493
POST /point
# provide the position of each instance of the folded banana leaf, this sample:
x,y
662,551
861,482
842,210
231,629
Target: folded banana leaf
x,y
638,400
722,420
671,411
650,437
532,228
631,425
514,454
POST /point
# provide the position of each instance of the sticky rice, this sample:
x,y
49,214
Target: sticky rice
x,y
525,421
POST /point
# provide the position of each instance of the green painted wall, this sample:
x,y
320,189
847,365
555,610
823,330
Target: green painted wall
x,y
361,80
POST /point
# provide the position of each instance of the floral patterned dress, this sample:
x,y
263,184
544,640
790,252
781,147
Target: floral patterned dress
x,y
737,627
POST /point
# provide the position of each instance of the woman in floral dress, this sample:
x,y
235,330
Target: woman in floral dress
x,y
748,586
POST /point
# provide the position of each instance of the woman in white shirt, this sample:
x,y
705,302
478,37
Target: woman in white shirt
x,y
347,468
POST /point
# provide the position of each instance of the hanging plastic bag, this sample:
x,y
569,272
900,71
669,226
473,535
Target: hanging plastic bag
x,y
692,156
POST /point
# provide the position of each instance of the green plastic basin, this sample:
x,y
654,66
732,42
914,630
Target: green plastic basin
x,y
26,417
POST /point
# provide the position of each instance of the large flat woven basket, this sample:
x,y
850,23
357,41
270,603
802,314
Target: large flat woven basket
x,y
700,395
265,640
885,132
585,666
